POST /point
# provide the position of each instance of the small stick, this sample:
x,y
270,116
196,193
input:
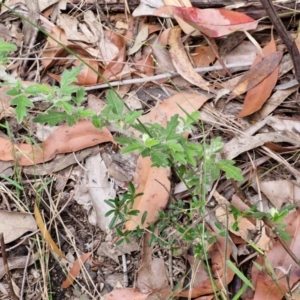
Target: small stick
x,y
5,261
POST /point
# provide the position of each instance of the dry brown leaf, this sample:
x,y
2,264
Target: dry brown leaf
x,y
203,56
269,288
154,184
258,95
181,60
202,283
65,139
258,73
75,270
15,224
245,143
145,63
52,46
176,104
5,109
245,226
280,192
45,233
152,276
18,262
126,294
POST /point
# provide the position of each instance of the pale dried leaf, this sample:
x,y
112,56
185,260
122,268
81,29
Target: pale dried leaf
x,y
15,224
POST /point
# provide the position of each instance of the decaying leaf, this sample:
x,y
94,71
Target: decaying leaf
x,y
75,270
154,184
65,139
258,73
15,224
181,61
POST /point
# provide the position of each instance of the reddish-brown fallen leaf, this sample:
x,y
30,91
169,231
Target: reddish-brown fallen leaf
x,y
269,288
154,184
212,21
258,95
65,139
75,270
202,283
257,74
177,104
203,56
181,60
126,294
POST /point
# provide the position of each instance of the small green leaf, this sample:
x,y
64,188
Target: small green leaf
x,y
36,89
133,146
13,92
80,96
131,117
21,102
53,117
174,146
69,77
239,273
7,47
116,104
151,142
230,170
159,159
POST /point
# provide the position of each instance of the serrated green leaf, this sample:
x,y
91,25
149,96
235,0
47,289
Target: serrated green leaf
x,y
67,107
69,77
21,102
190,156
131,117
230,170
69,89
151,142
159,159
170,130
13,92
133,146
36,89
80,96
180,157
175,146
53,117
85,113
122,140
116,104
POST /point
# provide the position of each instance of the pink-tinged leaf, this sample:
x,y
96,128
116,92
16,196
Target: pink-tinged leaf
x,y
215,22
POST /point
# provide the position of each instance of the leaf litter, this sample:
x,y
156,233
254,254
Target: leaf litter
x,y
66,161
